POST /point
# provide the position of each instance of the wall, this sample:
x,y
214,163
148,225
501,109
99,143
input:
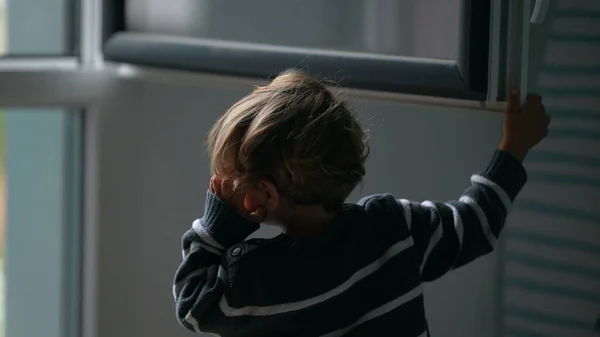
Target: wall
x,y
552,270
154,175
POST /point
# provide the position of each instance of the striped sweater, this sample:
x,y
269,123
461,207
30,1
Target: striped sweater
x,y
363,277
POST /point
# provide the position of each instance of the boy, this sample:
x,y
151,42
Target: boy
x,y
288,155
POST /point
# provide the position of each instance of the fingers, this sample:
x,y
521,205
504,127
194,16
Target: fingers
x,y
514,101
215,185
227,189
233,193
534,99
223,188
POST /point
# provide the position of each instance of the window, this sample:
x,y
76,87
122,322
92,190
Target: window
x,y
32,28
40,222
416,28
426,47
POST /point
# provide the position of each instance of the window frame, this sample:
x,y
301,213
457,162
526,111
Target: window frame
x,y
466,78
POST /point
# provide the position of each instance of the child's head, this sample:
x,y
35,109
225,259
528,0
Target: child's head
x,y
294,139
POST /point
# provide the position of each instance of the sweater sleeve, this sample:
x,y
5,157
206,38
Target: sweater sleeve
x,y
201,279
448,235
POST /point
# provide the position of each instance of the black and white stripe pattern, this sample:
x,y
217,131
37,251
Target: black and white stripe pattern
x,y
364,278
480,211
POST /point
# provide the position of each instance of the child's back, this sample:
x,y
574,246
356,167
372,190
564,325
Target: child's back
x,y
289,154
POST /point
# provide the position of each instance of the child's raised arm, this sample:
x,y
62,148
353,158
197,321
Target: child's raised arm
x,y
448,235
451,234
201,280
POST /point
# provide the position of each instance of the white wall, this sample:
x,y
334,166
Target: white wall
x,y
154,174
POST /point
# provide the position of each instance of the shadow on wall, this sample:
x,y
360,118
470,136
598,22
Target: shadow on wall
x,y
552,255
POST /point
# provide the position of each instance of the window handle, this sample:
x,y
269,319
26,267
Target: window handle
x,y
539,11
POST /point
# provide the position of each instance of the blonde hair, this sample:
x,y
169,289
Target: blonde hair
x,y
296,134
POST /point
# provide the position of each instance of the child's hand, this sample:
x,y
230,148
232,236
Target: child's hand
x,y
524,125
233,193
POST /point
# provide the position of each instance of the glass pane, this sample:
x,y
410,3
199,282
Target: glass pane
x,y
418,28
37,28
39,222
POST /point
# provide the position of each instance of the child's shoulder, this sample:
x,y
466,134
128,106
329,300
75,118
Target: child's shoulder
x,y
386,209
376,199
380,204
376,211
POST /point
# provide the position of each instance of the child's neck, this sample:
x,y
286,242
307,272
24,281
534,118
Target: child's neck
x,y
306,221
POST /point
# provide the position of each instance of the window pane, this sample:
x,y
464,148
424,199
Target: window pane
x,y
419,28
37,28
39,222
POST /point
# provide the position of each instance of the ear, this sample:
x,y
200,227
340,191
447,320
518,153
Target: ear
x,y
271,193
262,194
